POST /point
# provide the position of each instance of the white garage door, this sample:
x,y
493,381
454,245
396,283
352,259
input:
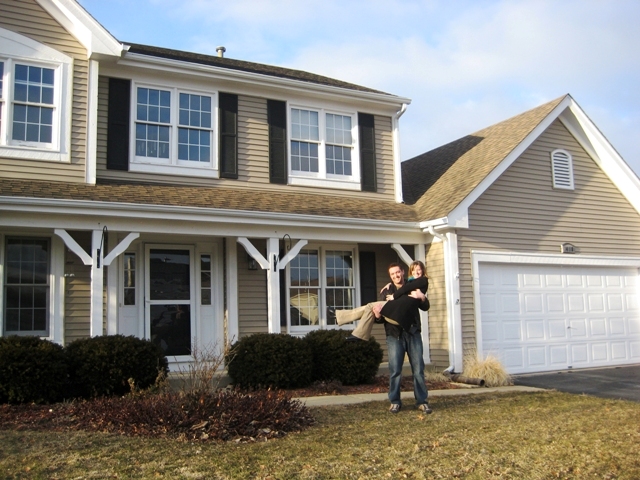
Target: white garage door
x,y
538,318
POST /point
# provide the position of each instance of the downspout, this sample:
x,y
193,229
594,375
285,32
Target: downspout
x,y
443,238
397,170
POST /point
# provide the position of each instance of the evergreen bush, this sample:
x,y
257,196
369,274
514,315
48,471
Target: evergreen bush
x,y
32,370
100,366
270,360
334,358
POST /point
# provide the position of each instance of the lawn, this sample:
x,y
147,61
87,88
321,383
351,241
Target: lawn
x,y
509,435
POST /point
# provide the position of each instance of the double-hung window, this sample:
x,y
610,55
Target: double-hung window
x,y
174,131
323,148
35,100
26,286
320,278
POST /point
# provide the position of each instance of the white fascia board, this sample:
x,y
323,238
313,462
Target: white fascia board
x,y
260,222
460,214
79,23
258,79
602,152
488,256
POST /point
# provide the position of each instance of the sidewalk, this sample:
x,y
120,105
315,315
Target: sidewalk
x,y
325,400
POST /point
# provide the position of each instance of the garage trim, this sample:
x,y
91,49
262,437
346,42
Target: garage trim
x,y
483,256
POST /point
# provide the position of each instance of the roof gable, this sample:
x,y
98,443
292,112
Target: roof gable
x,y
444,182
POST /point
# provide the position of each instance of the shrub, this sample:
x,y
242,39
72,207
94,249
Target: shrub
x,y
32,370
488,369
270,360
103,365
350,363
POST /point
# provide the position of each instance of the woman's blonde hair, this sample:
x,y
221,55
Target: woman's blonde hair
x,y
415,264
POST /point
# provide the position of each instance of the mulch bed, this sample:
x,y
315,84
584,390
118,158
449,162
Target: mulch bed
x,y
380,385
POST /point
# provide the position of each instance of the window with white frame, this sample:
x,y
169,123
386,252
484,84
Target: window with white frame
x,y
319,279
323,146
26,286
35,99
562,169
174,128
129,278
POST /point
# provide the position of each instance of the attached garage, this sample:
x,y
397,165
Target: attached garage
x,y
538,317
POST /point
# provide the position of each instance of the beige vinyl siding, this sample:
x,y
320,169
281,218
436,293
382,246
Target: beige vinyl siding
x,y
253,154
77,294
27,18
522,212
438,330
252,294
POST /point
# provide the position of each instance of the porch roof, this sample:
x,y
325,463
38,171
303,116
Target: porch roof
x,y
212,198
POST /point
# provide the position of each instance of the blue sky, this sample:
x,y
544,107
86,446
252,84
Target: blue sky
x,y
466,64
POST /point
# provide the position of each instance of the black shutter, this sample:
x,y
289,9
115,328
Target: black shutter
x,y
367,152
119,111
228,110
368,288
277,118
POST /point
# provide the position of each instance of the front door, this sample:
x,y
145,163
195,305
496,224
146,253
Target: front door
x,y
170,298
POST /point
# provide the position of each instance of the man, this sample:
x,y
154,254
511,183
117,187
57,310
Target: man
x,y
401,342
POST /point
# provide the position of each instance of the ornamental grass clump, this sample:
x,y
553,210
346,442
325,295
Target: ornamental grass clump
x,y
489,369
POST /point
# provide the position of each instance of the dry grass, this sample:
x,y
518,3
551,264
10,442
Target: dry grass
x,y
513,436
489,369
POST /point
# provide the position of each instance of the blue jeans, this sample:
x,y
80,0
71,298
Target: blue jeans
x,y
411,344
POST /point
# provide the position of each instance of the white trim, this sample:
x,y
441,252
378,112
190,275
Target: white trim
x,y
454,314
113,289
402,253
397,162
92,122
58,288
233,330
83,27
72,245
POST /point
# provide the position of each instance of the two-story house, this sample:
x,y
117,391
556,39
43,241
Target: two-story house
x,y
194,199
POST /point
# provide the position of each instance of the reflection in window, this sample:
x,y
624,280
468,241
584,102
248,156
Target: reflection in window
x,y
205,279
26,285
309,293
129,278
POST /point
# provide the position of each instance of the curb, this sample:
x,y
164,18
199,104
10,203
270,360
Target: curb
x,y
326,400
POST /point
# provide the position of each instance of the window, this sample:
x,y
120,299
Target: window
x,y
205,279
174,129
129,272
323,147
562,169
26,286
319,279
35,99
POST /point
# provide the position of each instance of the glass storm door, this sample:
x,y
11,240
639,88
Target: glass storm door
x,y
169,299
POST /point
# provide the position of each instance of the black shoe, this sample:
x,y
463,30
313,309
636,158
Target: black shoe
x,y
353,338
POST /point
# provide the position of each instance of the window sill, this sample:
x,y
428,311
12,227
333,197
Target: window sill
x,y
34,153
173,170
326,183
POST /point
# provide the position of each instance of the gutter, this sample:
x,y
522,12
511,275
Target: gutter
x,y
397,168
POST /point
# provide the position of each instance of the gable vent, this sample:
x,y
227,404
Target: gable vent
x,y
562,168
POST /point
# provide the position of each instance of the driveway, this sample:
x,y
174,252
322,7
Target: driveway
x,y
612,382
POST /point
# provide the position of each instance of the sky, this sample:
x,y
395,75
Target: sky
x,y
465,64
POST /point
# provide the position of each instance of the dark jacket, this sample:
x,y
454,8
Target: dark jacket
x,y
405,310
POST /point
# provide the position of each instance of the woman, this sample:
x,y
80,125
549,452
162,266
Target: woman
x,y
396,306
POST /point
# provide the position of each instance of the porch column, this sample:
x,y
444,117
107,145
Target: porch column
x,y
97,282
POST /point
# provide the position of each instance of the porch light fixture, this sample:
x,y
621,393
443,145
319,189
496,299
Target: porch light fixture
x,y
253,265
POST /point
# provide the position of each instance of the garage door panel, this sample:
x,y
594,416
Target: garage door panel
x,y
546,317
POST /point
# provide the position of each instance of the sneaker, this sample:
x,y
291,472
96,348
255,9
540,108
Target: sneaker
x,y
353,338
425,408
394,408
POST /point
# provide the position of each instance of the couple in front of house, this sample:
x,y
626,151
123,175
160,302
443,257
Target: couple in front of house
x,y
398,310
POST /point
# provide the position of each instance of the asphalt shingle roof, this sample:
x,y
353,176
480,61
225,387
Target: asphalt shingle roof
x,y
212,198
437,181
251,67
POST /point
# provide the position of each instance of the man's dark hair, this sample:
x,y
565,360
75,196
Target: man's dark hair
x,y
393,265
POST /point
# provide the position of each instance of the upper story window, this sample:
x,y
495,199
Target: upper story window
x,y
562,169
323,148
35,99
174,130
